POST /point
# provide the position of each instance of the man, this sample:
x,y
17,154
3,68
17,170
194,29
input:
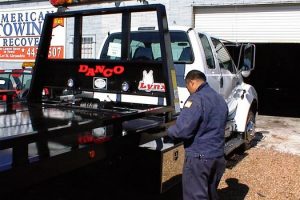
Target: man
x,y
201,126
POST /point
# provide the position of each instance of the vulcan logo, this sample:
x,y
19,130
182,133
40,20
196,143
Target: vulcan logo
x,y
101,69
148,85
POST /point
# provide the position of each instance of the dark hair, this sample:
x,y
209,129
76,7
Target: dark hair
x,y
194,75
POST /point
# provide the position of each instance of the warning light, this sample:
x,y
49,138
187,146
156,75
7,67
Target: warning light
x,y
58,3
27,65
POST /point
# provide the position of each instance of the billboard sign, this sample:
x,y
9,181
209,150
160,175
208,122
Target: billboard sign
x,y
20,32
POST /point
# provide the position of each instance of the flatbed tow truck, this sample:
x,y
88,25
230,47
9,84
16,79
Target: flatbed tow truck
x,y
120,102
46,136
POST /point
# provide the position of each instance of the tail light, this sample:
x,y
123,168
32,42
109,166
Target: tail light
x,y
45,92
3,97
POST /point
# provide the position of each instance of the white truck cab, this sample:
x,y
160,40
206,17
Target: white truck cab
x,y
194,50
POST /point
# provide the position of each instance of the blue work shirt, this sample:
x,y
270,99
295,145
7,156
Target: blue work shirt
x,y
201,123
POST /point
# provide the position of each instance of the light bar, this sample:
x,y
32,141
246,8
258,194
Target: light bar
x,y
66,3
27,65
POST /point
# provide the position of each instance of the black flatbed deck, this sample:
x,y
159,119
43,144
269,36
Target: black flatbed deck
x,y
42,135
29,120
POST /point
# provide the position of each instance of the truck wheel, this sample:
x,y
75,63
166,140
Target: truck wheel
x,y
249,130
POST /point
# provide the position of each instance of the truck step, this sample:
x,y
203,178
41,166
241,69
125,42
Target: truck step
x,y
232,145
230,127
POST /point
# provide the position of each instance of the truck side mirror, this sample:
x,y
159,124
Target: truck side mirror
x,y
248,59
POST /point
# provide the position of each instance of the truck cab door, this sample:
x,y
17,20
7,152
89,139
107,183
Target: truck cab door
x,y
212,70
229,79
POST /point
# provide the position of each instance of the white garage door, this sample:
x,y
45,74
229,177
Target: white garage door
x,y
267,24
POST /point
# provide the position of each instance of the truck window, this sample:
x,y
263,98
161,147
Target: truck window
x,y
209,56
13,81
224,58
4,75
145,46
26,81
5,82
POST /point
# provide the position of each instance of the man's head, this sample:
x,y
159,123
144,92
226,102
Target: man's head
x,y
193,80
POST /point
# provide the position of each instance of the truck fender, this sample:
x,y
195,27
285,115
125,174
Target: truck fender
x,y
247,98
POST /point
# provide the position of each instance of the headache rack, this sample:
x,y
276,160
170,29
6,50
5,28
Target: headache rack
x,y
68,126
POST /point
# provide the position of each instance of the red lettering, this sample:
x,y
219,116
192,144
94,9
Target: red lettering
x,y
149,87
118,69
159,87
90,72
156,87
83,68
163,88
142,86
108,72
99,69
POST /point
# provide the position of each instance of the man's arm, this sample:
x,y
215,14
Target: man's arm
x,y
187,122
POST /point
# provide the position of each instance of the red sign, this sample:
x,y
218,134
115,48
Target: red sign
x,y
20,31
101,69
29,53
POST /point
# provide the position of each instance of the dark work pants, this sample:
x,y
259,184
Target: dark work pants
x,y
201,177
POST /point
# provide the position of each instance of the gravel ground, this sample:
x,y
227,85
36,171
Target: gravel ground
x,y
262,174
269,170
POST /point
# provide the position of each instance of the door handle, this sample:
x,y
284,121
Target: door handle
x,y
221,82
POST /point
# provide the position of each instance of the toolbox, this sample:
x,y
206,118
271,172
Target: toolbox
x,y
164,161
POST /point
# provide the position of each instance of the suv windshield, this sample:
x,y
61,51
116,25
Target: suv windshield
x,y
18,80
144,45
14,79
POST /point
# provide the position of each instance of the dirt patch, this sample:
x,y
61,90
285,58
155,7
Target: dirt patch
x,y
278,137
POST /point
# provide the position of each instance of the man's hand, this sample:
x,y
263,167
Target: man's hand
x,y
167,139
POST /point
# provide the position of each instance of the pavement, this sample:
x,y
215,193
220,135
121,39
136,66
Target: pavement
x,y
278,133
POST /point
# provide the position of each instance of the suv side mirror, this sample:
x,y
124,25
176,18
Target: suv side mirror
x,y
248,61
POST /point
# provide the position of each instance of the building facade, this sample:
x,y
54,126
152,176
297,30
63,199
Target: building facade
x,y
258,21
273,25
